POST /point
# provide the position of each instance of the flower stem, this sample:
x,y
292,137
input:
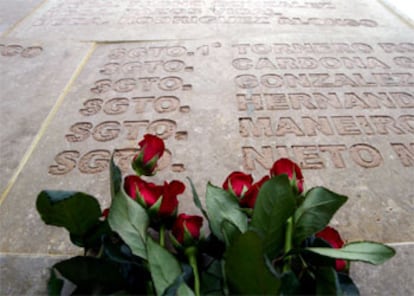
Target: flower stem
x,y
162,235
288,244
191,253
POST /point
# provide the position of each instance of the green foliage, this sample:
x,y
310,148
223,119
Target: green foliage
x,y
196,199
78,212
130,221
222,206
163,265
91,275
274,205
327,282
315,212
246,269
370,252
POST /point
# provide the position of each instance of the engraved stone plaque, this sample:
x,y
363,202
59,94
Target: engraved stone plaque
x,y
33,75
342,110
195,19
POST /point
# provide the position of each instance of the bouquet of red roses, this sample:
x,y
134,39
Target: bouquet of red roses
x,y
265,237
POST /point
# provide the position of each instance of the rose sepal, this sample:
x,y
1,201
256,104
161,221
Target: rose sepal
x,y
144,169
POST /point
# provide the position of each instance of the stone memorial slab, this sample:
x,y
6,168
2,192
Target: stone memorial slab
x,y
33,74
195,19
13,11
342,110
392,277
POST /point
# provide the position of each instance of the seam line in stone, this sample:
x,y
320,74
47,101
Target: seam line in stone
x,y
46,122
15,25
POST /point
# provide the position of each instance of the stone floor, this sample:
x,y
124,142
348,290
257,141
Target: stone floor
x,y
230,85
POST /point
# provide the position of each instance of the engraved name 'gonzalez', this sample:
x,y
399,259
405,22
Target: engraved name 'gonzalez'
x,y
272,80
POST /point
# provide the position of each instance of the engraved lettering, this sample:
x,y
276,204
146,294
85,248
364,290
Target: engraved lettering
x,y
366,156
405,153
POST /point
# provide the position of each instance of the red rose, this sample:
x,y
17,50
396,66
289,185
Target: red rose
x,y
291,169
186,229
238,183
105,213
249,199
151,149
331,236
160,199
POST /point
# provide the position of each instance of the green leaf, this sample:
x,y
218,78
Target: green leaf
x,y
196,199
370,252
246,268
274,205
130,221
327,282
347,285
290,284
179,283
229,231
116,177
221,206
211,279
78,212
315,212
163,266
90,274
54,285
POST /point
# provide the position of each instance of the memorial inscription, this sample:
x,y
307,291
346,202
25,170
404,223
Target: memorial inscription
x,y
354,71
165,19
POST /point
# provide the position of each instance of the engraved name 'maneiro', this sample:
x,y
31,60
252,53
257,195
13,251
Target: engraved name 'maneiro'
x,y
323,101
326,125
272,80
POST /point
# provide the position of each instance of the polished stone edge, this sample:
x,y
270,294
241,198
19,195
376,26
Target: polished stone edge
x,y
28,273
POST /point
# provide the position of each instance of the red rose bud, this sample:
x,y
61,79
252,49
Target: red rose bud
x,y
249,199
151,149
332,237
186,229
238,183
291,169
105,213
161,200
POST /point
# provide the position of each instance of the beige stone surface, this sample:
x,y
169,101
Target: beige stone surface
x,y
329,84
25,274
33,74
165,19
344,111
11,12
394,277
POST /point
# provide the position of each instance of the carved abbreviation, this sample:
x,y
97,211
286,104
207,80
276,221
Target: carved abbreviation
x,y
124,96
